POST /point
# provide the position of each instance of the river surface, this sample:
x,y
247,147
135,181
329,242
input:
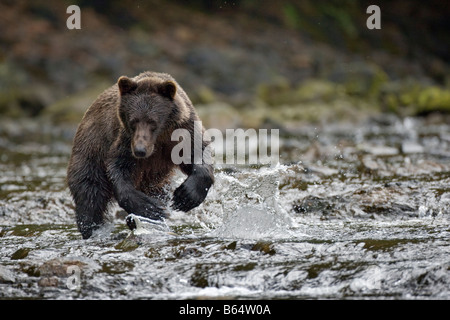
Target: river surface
x,y
351,212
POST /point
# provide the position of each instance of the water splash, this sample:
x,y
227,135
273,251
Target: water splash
x,y
250,206
145,226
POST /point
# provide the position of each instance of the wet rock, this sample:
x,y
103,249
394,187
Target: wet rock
x,y
390,209
311,204
55,272
370,164
188,252
378,150
130,243
48,282
409,147
6,275
264,247
58,267
20,253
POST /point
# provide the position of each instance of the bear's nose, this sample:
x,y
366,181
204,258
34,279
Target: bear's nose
x,y
140,152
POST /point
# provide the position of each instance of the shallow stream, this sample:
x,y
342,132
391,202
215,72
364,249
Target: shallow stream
x,y
351,212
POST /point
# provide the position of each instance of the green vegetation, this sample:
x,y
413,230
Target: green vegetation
x,y
257,61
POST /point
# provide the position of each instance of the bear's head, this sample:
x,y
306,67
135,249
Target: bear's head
x,y
145,106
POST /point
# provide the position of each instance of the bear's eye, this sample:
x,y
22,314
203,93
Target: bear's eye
x,y
152,125
133,123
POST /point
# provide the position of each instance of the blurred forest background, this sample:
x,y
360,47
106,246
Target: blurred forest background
x,y
247,63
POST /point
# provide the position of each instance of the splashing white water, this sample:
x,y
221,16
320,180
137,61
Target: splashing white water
x,y
249,206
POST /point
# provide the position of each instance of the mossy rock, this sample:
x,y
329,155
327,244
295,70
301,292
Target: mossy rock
x,y
360,79
219,115
73,107
416,99
274,93
19,98
433,99
23,101
308,91
340,109
203,95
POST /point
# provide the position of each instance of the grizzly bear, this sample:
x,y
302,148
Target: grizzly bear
x,y
122,151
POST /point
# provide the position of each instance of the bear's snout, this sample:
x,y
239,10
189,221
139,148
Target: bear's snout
x,y
142,146
140,152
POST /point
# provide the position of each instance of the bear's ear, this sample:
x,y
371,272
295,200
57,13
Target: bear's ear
x,y
126,85
167,89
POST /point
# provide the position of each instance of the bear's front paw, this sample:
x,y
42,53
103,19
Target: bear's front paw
x,y
143,205
190,194
152,208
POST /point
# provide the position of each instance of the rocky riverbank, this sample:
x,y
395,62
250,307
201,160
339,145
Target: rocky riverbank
x,y
246,64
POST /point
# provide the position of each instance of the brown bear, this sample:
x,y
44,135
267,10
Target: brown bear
x,y
122,151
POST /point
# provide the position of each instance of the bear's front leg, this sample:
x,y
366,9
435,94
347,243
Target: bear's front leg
x,y
134,201
130,199
194,189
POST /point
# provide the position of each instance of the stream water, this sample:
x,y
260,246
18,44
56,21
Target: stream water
x,y
350,212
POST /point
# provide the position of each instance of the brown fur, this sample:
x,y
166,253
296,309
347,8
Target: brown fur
x,y
122,150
